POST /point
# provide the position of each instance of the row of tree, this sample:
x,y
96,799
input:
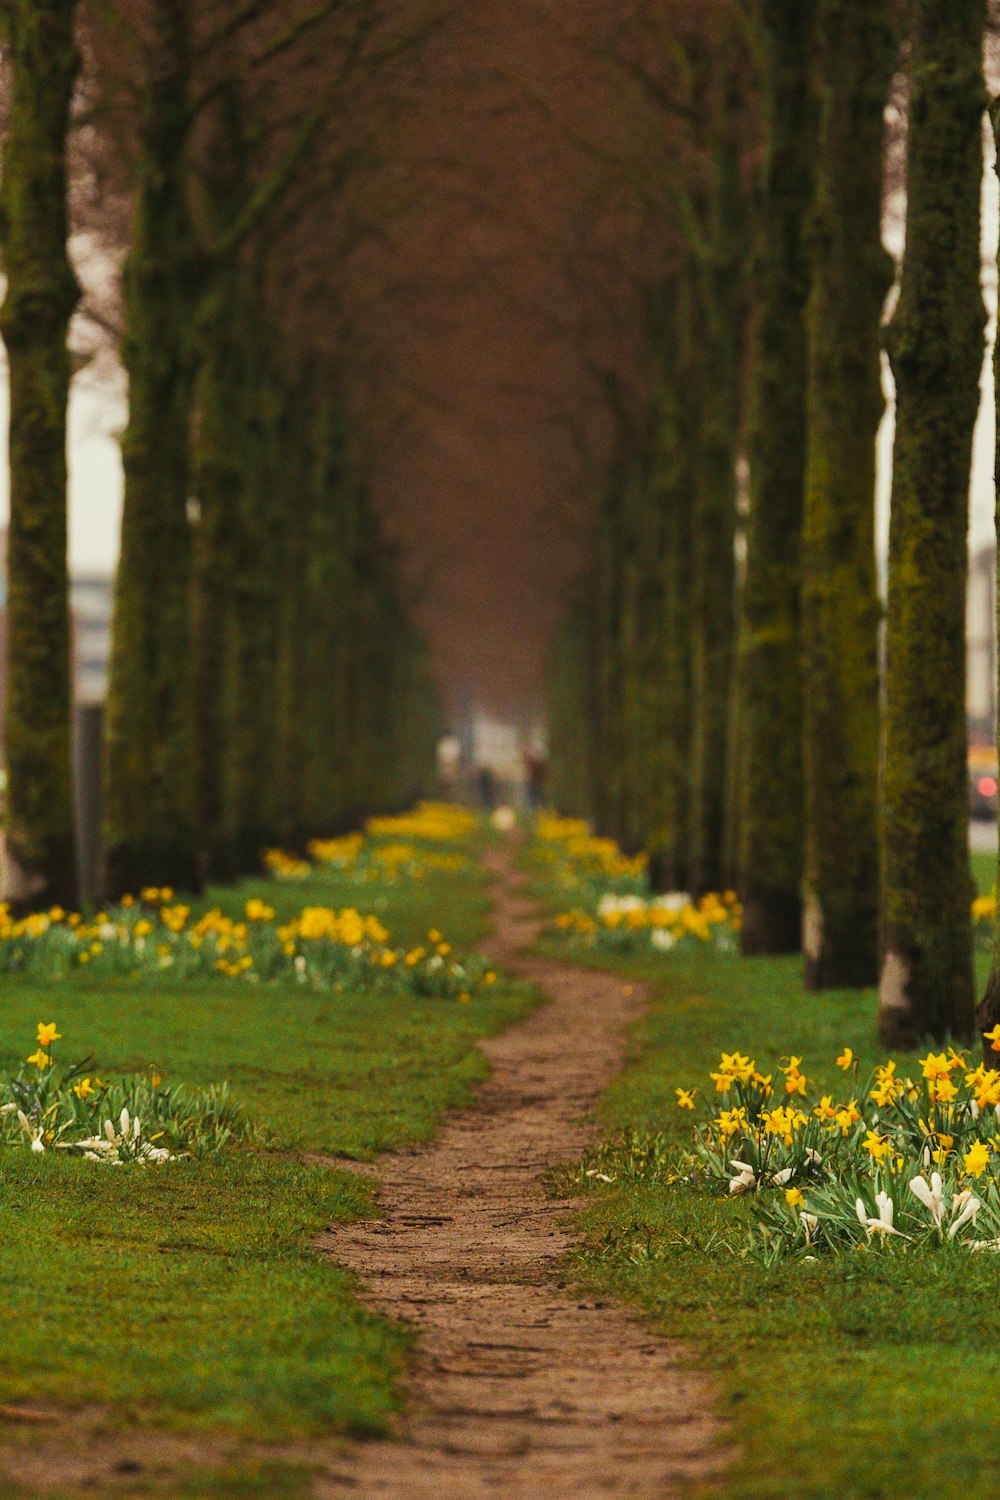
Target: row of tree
x,y
266,680
717,694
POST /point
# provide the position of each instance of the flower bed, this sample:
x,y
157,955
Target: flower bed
x,y
140,1120
614,909
893,1161
322,947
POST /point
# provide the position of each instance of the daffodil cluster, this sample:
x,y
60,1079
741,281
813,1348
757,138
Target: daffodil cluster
x,y
48,1105
323,947
408,847
572,859
663,923
891,1159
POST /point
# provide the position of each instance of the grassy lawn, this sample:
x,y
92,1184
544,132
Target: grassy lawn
x,y
870,1377
189,1294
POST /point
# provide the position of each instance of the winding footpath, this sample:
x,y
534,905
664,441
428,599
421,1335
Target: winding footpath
x,y
519,1389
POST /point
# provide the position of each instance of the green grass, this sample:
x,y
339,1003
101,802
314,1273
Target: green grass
x,y
190,1295
873,1378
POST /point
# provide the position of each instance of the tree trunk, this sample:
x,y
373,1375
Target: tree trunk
x,y
42,292
771,842
936,347
988,1014
713,602
851,275
150,835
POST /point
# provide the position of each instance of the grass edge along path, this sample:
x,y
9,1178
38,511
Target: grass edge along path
x,y
867,1378
189,1297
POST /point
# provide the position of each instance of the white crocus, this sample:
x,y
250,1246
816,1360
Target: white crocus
x,y
809,1224
931,1196
31,1135
661,938
970,1206
786,1174
882,1224
746,1178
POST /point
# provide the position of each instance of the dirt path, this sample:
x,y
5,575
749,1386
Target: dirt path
x,y
519,1391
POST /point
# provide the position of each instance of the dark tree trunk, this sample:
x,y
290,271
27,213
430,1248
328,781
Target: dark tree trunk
x,y
851,275
42,292
936,347
150,835
988,1014
771,843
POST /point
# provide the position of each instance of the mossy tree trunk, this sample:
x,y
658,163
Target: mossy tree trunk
x,y
42,292
936,348
851,275
713,602
150,834
988,1014
771,836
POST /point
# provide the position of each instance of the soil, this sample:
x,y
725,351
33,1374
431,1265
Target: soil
x,y
520,1389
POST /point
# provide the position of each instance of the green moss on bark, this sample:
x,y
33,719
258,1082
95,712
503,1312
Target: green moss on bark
x,y
851,275
936,348
771,843
42,292
150,834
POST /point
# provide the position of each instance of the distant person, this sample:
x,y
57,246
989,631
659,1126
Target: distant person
x,y
487,783
535,774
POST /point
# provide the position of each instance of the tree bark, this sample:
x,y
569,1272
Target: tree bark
x,y
150,835
713,602
851,276
936,348
988,1013
772,837
42,292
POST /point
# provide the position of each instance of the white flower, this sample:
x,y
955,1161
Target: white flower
x,y
993,1245
785,1175
36,1144
814,1157
931,1197
8,1109
970,1207
672,900
746,1178
809,1223
881,1225
974,1109
662,938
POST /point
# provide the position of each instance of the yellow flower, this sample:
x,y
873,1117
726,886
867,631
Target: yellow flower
x,y
936,1065
795,1083
824,1110
845,1059
731,1121
846,1116
794,1198
976,1159
41,1060
876,1147
993,1037
84,1089
942,1090
47,1034
685,1098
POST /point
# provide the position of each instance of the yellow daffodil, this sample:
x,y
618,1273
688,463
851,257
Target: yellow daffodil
x,y
993,1037
41,1060
685,1098
824,1110
845,1059
876,1146
847,1116
794,1198
47,1034
976,1159
84,1089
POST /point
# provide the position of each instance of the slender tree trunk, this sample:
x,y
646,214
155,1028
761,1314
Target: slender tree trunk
x,y
851,275
150,835
771,841
936,347
988,1013
39,862
713,602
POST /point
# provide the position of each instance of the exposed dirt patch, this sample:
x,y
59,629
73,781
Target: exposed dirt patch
x,y
520,1390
